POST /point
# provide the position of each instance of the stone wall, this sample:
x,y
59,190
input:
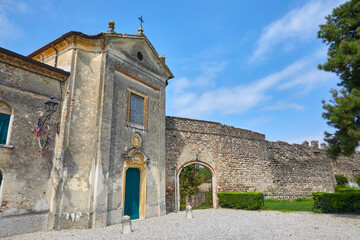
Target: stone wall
x,y
24,192
243,161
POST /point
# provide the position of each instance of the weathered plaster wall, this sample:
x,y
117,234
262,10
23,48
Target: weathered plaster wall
x,y
78,158
88,178
127,76
244,161
25,193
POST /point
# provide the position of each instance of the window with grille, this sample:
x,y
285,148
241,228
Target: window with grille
x,y
136,114
137,108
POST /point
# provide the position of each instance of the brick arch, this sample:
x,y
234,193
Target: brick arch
x,y
213,181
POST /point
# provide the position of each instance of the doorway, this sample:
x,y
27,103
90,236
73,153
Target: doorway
x,y
196,186
132,193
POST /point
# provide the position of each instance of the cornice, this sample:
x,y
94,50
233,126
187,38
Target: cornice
x,y
31,65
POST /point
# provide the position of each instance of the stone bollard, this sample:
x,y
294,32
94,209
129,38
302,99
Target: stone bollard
x,y
126,224
189,213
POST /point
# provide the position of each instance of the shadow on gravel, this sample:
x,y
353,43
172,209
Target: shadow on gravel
x,y
350,216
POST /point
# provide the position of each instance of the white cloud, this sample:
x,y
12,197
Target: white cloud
x,y
281,105
208,73
210,70
297,25
8,28
181,84
191,100
237,99
308,80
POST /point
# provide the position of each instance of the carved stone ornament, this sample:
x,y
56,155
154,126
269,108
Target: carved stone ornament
x,y
135,157
138,158
136,140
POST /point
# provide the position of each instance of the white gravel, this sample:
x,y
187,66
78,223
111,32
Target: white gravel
x,y
223,224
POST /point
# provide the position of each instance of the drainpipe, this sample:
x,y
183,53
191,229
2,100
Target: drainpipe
x,y
56,55
176,206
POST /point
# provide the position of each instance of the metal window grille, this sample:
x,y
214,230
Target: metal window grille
x,y
136,114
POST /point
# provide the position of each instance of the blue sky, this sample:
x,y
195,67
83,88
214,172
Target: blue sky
x,y
251,64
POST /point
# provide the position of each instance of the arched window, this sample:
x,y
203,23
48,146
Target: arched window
x,y
5,113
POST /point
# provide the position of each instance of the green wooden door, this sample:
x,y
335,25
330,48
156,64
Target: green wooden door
x,y
132,193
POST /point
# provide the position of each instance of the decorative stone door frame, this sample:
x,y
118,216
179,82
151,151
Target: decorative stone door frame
x,y
136,159
213,182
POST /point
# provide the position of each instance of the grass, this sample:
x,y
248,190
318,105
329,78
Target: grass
x,y
202,206
300,204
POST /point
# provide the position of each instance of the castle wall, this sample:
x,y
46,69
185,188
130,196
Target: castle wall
x,y
243,161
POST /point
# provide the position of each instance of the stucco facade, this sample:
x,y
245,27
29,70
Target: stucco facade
x,y
96,140
24,191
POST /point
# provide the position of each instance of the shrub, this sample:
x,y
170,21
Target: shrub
x,y
340,202
247,200
357,180
341,180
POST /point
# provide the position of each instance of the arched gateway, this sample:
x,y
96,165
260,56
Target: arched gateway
x,y
232,155
213,182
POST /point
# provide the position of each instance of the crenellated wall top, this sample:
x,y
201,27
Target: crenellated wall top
x,y
207,127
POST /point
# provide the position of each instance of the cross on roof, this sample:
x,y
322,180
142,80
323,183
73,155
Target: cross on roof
x,y
141,21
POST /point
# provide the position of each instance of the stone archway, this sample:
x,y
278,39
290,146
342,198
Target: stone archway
x,y
213,182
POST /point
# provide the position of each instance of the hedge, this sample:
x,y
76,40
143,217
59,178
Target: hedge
x,y
342,202
246,200
340,189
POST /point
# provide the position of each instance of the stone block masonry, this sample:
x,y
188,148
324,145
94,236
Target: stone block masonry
x,y
243,161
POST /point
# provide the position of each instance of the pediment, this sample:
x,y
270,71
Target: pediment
x,y
139,52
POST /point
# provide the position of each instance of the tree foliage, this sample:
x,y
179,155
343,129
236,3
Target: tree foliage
x,y
342,35
191,177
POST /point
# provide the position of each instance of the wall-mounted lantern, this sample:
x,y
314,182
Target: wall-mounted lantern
x,y
50,107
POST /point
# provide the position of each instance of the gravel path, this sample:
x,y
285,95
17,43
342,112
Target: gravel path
x,y
223,224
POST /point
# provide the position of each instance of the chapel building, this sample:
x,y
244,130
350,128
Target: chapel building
x,y
106,155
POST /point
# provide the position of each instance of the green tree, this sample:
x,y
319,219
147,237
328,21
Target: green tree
x,y
191,177
342,35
